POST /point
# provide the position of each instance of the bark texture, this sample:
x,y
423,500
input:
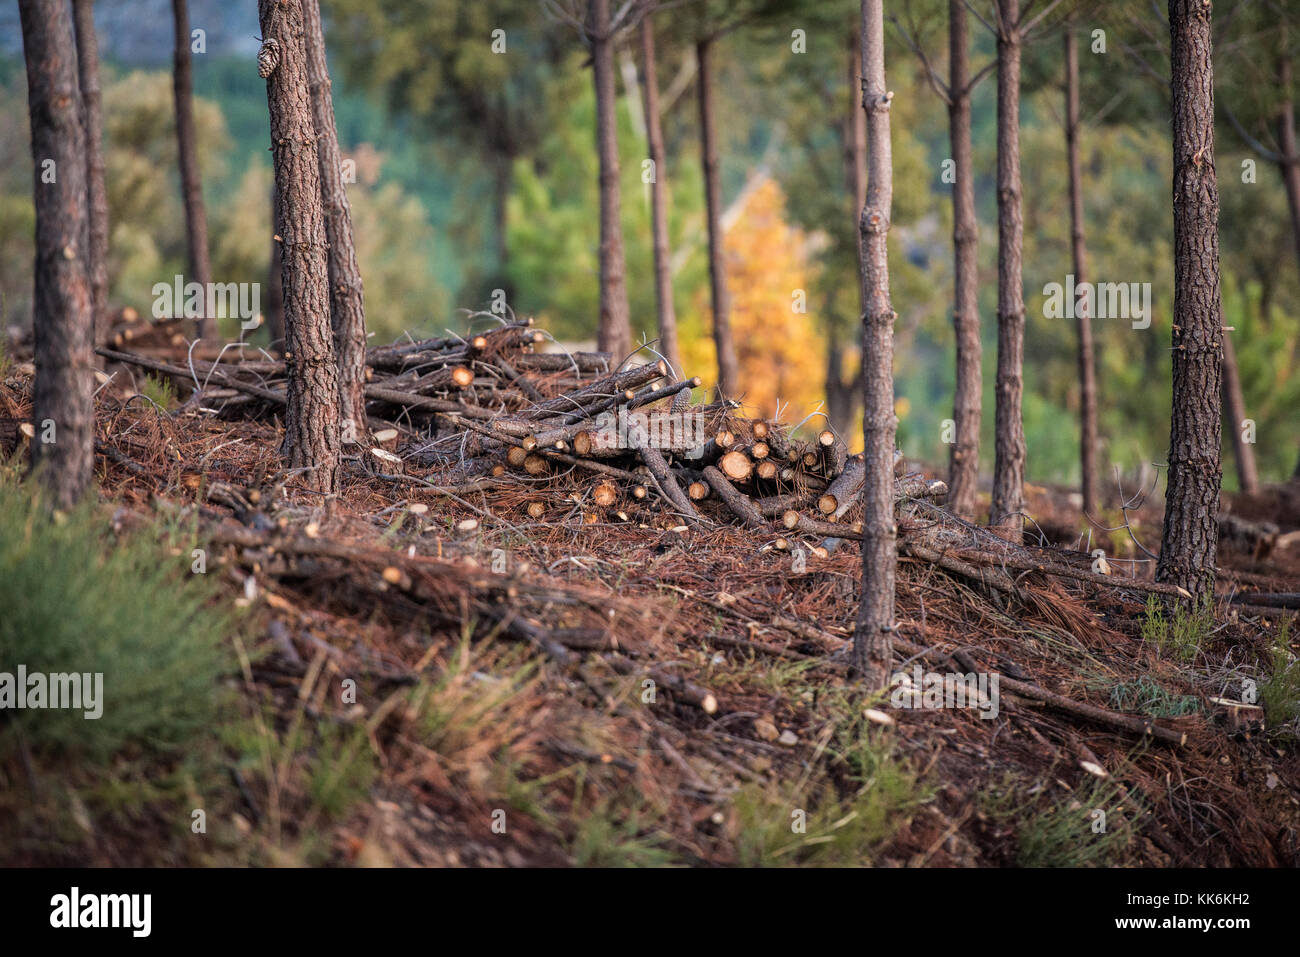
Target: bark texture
x,y
312,418
275,284
615,330
963,454
1079,251
873,636
1190,540
83,12
63,412
1009,427
724,344
196,217
666,313
347,300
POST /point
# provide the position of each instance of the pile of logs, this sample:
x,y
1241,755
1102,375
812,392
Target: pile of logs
x,y
473,411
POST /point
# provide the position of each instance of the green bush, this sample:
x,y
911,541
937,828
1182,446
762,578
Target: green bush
x,y
1280,694
78,597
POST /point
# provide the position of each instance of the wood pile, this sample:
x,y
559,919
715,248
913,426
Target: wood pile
x,y
462,413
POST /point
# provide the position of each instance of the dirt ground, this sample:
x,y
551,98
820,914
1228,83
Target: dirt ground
x,y
602,685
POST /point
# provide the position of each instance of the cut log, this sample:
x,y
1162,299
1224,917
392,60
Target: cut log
x,y
740,505
736,466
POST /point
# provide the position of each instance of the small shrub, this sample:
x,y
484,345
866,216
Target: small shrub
x,y
1184,633
1280,694
77,598
1066,835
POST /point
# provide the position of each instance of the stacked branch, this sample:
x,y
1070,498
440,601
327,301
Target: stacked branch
x,y
459,413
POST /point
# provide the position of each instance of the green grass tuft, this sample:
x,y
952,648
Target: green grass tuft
x,y
77,597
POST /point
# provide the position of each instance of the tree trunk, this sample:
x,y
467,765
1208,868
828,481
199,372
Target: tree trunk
x,y
841,396
963,454
1290,166
196,219
83,12
1009,459
873,636
615,331
1083,321
312,416
62,406
1289,169
1234,407
667,314
728,364
347,300
1190,540
275,284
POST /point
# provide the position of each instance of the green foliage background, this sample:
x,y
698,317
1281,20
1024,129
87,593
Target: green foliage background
x,y
435,119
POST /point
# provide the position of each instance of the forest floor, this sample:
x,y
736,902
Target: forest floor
x,y
425,679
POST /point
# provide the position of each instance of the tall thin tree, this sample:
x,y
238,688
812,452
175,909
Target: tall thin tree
x,y
967,401
83,12
842,394
1007,512
196,217
1190,540
347,300
1079,252
615,330
723,341
666,313
873,636
312,416
62,403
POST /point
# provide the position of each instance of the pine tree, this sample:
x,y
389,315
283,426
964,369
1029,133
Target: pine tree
x,y
1190,540
63,408
312,417
347,300
873,636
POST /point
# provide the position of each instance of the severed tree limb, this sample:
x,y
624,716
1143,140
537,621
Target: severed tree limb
x,y
740,505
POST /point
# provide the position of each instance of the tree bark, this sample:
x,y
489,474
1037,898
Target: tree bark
x,y
873,636
1009,459
83,12
63,409
312,416
728,364
963,454
1190,540
196,218
666,313
1083,321
347,298
275,284
615,330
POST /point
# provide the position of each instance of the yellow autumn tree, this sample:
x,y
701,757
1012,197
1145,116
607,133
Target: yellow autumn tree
x,y
778,342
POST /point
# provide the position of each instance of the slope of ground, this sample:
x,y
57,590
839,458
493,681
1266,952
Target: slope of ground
x,y
424,677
